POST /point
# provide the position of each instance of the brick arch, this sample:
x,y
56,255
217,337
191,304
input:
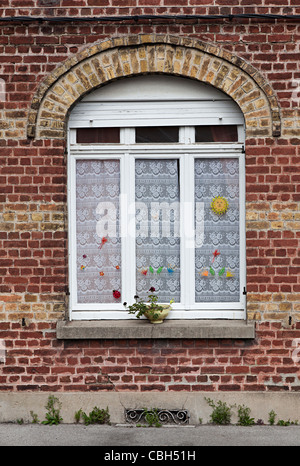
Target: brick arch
x,y
147,54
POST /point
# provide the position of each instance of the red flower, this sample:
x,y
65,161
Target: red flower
x,y
215,254
116,294
152,289
103,241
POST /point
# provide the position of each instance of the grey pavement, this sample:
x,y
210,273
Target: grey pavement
x,y
122,436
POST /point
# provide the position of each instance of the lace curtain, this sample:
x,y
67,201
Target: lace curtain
x,y
217,255
157,228
97,231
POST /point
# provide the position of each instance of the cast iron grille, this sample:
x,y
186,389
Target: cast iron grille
x,y
164,416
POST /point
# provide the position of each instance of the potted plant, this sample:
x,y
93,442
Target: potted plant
x,y
155,313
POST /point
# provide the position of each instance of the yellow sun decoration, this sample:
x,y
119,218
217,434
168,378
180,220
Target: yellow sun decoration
x,y
219,205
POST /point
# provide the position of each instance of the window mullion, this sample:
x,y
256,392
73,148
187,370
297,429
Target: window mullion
x,y
127,135
127,213
187,230
187,134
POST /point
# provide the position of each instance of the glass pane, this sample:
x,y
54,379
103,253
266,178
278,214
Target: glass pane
x,y
98,135
97,231
157,229
219,133
157,134
217,255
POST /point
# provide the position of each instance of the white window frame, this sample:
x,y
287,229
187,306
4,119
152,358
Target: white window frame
x,y
127,151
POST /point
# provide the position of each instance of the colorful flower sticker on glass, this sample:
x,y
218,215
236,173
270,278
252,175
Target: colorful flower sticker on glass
x,y
219,205
84,256
144,271
170,269
101,274
215,254
83,267
159,270
229,274
116,294
204,273
103,241
117,267
221,272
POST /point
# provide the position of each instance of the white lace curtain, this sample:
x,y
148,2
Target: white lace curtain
x,y
157,216
98,239
217,260
157,199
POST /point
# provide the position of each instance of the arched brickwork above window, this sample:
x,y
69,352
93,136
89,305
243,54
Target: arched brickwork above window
x,y
147,54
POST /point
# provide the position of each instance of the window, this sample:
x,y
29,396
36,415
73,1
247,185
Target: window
x,y
227,133
158,206
157,134
98,242
98,135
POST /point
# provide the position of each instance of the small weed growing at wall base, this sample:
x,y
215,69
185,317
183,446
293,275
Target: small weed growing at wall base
x,y
53,415
96,416
221,413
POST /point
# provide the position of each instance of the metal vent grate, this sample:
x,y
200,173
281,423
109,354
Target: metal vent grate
x,y
164,416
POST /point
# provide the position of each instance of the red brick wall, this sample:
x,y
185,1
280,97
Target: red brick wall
x,y
35,360
33,238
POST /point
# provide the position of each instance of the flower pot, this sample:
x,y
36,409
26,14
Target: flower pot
x,y
162,314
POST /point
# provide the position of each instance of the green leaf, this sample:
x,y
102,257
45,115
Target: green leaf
x,y
159,269
221,272
212,271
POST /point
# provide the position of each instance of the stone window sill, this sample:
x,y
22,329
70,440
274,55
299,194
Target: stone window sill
x,y
139,329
